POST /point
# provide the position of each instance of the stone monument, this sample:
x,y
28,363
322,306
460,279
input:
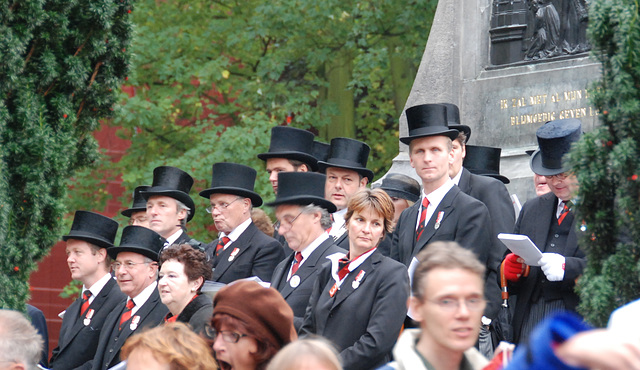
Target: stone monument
x,y
510,66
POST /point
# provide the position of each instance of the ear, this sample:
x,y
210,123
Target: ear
x,y
415,306
182,214
464,150
303,168
363,182
102,255
196,283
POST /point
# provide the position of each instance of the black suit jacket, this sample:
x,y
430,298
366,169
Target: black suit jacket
x,y
465,220
298,297
197,313
363,321
258,255
535,222
151,313
343,241
77,343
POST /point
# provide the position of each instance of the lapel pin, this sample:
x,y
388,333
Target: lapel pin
x,y
134,323
295,281
439,219
234,253
357,280
88,317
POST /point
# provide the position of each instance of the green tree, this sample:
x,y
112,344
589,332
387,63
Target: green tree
x,y
212,78
61,64
606,163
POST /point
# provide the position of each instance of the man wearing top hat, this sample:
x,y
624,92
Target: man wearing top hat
x,y
549,222
136,270
241,250
87,243
138,212
404,191
303,214
443,212
347,173
290,151
169,206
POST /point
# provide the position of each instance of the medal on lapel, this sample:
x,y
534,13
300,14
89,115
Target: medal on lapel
x,y
295,281
439,219
88,317
134,323
234,253
333,290
356,282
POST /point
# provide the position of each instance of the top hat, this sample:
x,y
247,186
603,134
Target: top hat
x,y
453,120
302,188
402,186
138,239
174,183
93,228
485,161
349,154
291,143
321,151
554,141
428,120
233,178
139,203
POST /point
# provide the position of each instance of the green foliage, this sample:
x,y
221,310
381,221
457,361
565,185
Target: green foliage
x,y
60,65
212,78
607,166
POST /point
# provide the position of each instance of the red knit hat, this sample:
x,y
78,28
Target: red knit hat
x,y
262,309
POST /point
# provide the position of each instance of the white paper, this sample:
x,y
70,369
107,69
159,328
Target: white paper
x,y
523,247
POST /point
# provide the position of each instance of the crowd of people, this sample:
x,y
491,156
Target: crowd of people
x,y
403,275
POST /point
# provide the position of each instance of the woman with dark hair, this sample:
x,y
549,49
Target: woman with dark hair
x,y
249,326
183,271
360,302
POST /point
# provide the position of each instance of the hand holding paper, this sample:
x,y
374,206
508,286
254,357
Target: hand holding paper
x,y
552,265
513,267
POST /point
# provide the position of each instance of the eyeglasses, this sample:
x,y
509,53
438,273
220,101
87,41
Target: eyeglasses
x,y
221,206
452,305
288,221
227,335
560,176
128,265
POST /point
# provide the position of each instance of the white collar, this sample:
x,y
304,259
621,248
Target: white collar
x,y
235,233
96,288
313,246
436,196
143,297
456,178
352,265
173,237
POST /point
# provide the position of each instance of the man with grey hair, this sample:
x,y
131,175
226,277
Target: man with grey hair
x,y
169,206
20,343
301,198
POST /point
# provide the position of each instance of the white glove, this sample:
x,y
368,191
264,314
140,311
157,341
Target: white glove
x,y
552,265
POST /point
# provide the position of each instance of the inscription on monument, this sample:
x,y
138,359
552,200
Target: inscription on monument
x,y
548,106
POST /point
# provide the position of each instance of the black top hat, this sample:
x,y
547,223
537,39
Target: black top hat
x,y
453,120
428,120
174,183
233,178
402,186
485,161
349,154
302,188
554,141
321,151
291,143
93,228
139,240
139,203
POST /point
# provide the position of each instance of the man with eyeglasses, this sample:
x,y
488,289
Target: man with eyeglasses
x,y
136,269
138,212
549,222
448,302
303,214
87,243
241,250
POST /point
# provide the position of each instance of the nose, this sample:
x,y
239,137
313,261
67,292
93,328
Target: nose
x,y
161,280
367,227
218,343
70,258
463,310
273,177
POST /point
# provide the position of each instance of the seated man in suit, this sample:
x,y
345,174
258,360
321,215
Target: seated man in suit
x,y
303,214
444,211
241,250
347,173
136,270
169,206
87,243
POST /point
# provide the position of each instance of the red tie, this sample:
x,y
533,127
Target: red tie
x,y
221,243
423,218
296,263
565,211
85,302
126,315
343,267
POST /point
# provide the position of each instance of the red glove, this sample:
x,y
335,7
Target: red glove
x,y
514,267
